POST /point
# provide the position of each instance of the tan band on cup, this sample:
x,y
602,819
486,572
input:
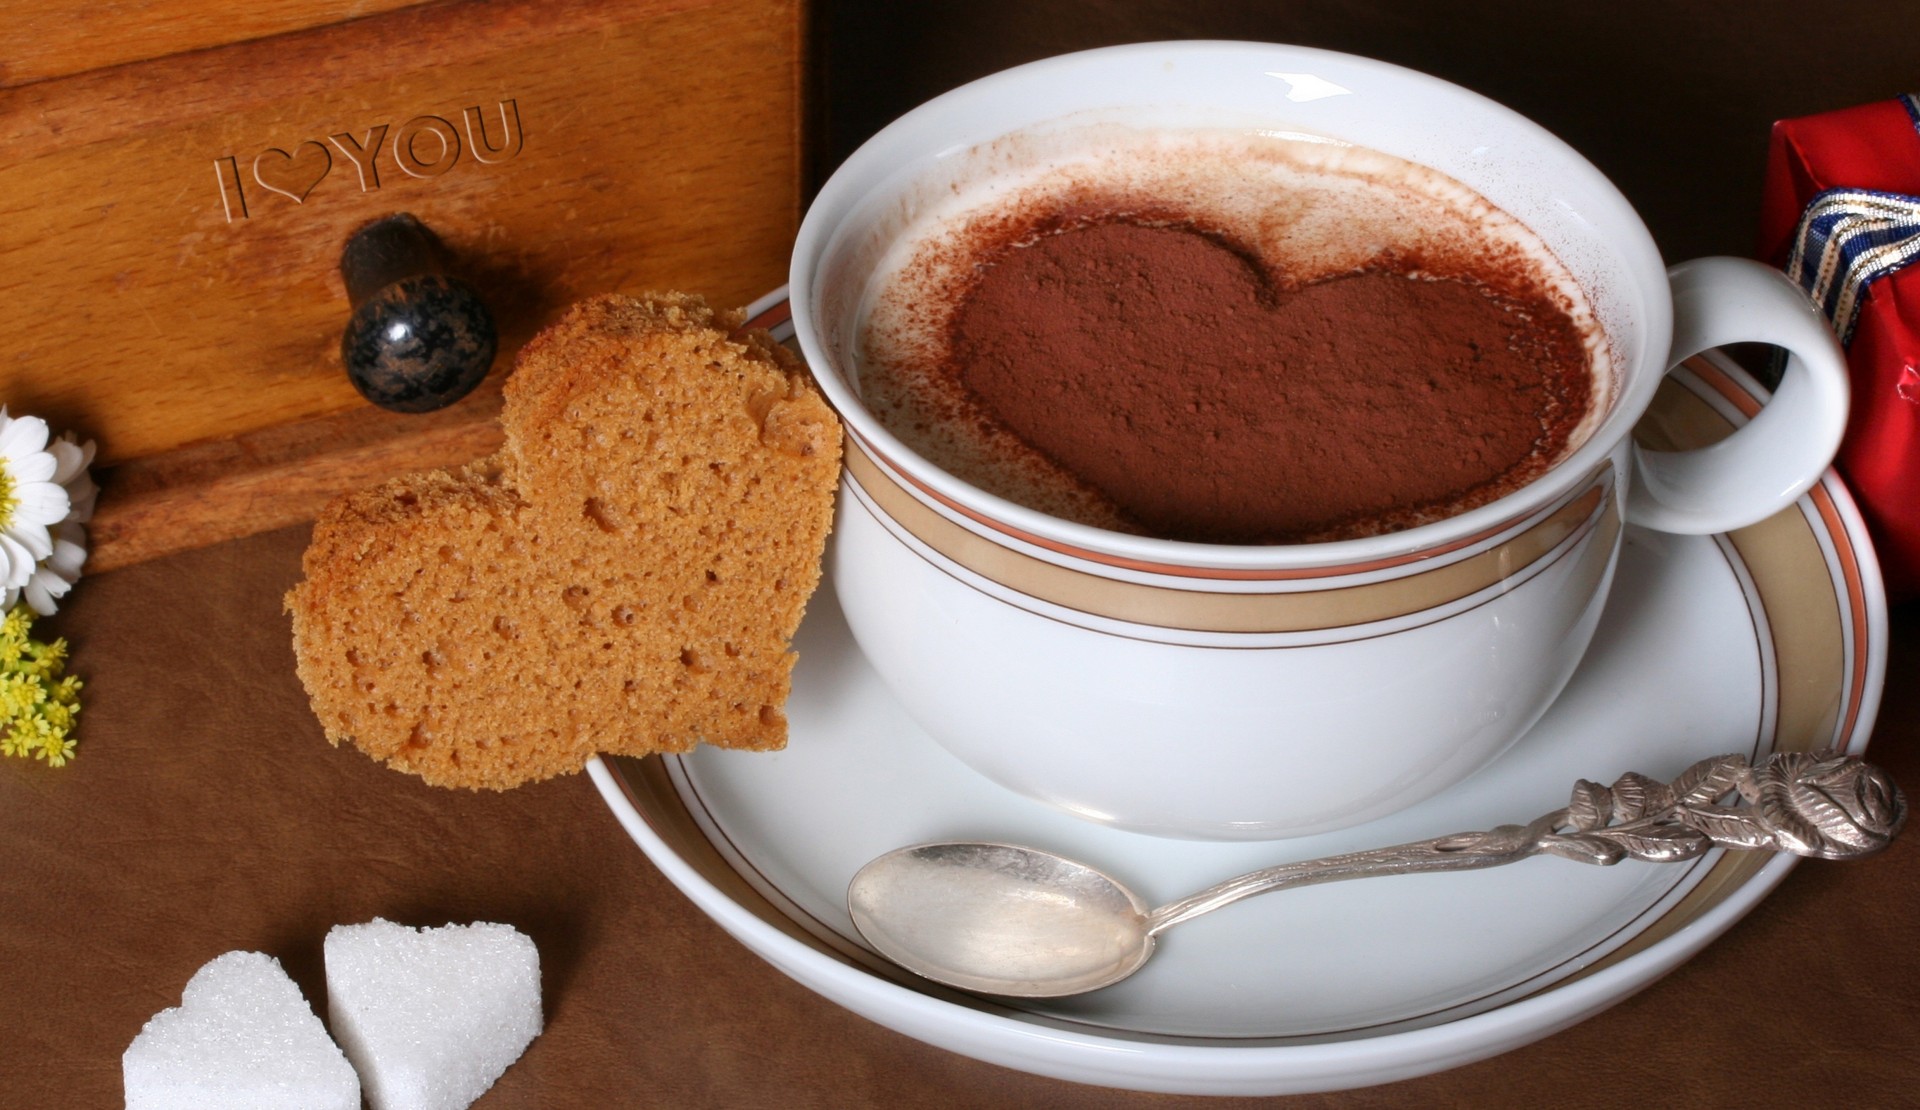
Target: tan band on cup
x,y
1592,512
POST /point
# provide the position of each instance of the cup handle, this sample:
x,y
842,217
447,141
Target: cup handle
x,y
1766,465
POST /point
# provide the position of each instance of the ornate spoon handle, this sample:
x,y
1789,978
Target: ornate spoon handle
x,y
1820,804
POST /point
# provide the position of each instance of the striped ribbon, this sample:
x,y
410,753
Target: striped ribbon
x,y
1847,240
1850,238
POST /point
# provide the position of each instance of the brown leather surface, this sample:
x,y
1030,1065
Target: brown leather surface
x,y
205,813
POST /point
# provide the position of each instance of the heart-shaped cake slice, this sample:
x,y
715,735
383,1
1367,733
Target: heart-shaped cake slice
x,y
623,576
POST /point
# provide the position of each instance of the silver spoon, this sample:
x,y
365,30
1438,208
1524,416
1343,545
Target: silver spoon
x,y
1007,920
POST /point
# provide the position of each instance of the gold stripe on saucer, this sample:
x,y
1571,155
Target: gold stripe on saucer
x,y
1805,616
1789,570
1203,611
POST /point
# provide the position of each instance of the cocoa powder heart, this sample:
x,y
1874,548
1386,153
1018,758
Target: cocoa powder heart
x,y
1207,400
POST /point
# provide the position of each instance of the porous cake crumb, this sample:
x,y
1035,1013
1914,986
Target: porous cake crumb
x,y
623,576
431,1017
242,1037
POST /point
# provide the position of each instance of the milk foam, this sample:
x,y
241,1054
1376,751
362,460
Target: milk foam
x,y
1310,207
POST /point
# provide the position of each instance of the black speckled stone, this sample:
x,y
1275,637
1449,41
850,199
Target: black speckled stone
x,y
419,344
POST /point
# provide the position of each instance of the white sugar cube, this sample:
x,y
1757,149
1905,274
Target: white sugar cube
x,y
431,1017
242,1036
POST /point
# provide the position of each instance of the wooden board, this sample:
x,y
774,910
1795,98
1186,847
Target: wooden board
x,y
72,37
170,231
224,489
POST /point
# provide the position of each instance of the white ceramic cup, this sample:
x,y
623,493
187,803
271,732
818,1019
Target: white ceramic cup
x,y
1259,692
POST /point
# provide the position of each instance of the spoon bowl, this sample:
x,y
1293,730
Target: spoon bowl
x,y
1000,919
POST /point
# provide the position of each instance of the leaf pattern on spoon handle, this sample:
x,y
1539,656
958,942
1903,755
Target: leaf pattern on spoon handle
x,y
1822,804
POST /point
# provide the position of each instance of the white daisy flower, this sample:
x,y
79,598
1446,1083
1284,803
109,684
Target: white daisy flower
x,y
71,460
54,575
57,573
31,502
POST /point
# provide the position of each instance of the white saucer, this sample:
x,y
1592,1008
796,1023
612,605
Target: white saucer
x,y
1771,638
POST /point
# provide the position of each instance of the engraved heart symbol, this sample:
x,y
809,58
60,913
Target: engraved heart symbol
x,y
292,175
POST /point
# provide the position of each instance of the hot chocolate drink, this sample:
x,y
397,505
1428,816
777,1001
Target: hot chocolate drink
x,y
1230,338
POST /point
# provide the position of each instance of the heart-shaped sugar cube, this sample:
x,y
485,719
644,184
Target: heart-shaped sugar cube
x,y
431,1017
242,1036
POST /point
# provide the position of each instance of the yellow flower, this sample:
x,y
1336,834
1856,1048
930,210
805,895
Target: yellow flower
x,y
38,703
49,659
56,749
57,715
19,693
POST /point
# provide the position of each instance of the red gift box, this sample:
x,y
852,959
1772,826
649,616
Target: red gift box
x,y
1841,215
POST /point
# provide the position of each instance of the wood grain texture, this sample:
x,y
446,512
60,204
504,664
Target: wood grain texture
x,y
68,37
659,149
170,232
228,488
